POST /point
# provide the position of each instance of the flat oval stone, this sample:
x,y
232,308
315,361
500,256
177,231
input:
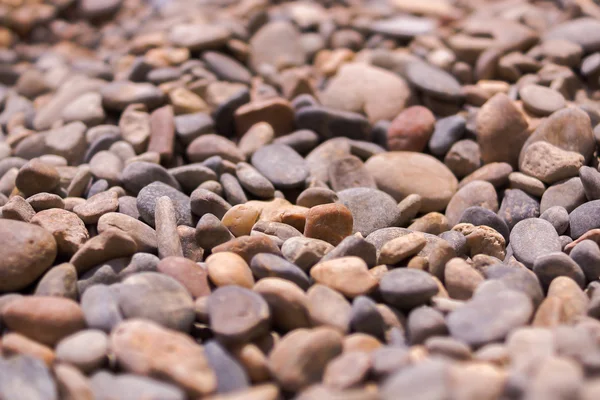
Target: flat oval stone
x,y
348,275
407,288
203,202
329,222
517,206
147,197
490,317
447,131
433,81
119,95
552,265
27,251
329,123
287,302
139,174
531,238
411,129
198,37
583,31
238,314
156,297
371,209
209,145
87,350
266,265
476,193
281,165
421,174
143,235
541,100
44,319
584,218
276,44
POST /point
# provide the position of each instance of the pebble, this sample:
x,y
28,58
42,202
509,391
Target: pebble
x,y
526,183
18,209
433,81
110,244
518,206
329,123
354,245
276,45
371,209
480,216
436,184
558,217
87,350
475,194
584,218
119,95
264,265
328,307
143,235
289,363
551,265
580,31
378,93
541,100
463,158
569,194
148,196
349,172
411,130
474,325
305,252
401,248
407,288
227,268
531,238
329,222
287,302
549,163
26,371
281,165
366,318
156,297
231,377
37,177
248,246
96,206
27,253
140,174
586,254
44,319
348,275
101,308
167,239
446,133
238,314
145,348
209,145
60,281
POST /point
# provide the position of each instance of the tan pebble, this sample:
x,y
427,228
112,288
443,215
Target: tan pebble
x,y
15,343
348,275
229,269
401,248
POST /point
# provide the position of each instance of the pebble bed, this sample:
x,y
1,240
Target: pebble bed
x,y
311,200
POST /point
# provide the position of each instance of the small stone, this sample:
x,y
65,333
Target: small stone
x,y
558,217
590,178
101,308
380,94
548,163
349,172
329,222
475,194
316,196
422,175
103,383
185,101
541,100
275,111
305,252
198,37
335,314
551,265
24,371
354,245
300,358
371,209
87,108
266,265
209,145
366,318
37,177
60,281
276,44
501,128
86,350
526,183
347,370
531,238
119,95
110,244
248,246
461,279
489,317
281,165
143,235
96,206
146,203
329,123
411,130
254,182
158,298
446,133
480,216
287,302
518,206
231,376
407,288
18,209
584,218
228,268
568,194
587,255
140,174
348,275
399,249
494,173
146,348
134,126
44,319
425,322
581,31
433,81
237,314
27,252
167,239
210,232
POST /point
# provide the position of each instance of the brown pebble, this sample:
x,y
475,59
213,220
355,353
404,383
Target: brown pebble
x,y
227,268
329,222
191,275
166,229
348,275
110,244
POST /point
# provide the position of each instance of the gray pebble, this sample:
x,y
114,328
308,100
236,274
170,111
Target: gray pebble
x,y
447,131
354,245
424,322
254,182
569,194
314,196
457,240
365,318
590,179
233,191
189,126
329,123
166,229
482,216
552,265
192,175
86,350
517,206
587,255
305,252
210,232
558,217
584,218
281,165
26,377
139,174
407,288
107,386
231,376
203,202
140,262
371,209
531,238
146,203
101,308
265,265
302,141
